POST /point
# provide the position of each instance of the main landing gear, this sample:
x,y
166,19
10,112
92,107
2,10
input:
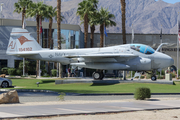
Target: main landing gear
x,y
137,74
153,75
98,75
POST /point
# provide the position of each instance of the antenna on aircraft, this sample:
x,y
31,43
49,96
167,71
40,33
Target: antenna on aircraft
x,y
161,46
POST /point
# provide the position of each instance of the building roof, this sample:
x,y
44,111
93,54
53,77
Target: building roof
x,y
13,22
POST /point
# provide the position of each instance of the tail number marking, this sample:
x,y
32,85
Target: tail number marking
x,y
25,49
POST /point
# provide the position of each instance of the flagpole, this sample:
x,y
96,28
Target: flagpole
x,y
24,26
132,39
41,46
178,45
161,43
104,36
132,35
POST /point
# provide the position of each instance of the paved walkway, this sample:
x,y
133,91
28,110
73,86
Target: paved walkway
x,y
14,111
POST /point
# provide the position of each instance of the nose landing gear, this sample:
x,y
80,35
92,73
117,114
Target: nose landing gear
x,y
153,75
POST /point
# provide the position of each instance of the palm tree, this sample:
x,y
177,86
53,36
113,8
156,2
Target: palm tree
x,y
39,11
93,21
21,6
59,32
85,8
123,10
51,12
105,20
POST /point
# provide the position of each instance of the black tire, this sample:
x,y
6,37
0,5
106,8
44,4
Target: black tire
x,y
102,76
5,84
153,78
96,75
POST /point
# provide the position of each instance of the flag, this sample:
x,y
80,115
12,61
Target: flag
x,y
132,34
40,27
24,23
161,34
179,31
105,31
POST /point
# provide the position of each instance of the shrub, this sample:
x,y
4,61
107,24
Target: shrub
x,y
11,71
162,72
161,77
19,72
148,76
142,93
4,70
142,77
173,75
54,72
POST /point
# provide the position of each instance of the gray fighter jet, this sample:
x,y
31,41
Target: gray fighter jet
x,y
127,57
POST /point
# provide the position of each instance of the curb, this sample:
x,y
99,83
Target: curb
x,y
77,94
28,90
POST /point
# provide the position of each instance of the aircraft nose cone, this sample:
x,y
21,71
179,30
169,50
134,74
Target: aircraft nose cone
x,y
162,61
171,61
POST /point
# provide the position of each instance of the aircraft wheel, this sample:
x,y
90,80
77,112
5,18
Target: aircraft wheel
x,y
97,75
153,78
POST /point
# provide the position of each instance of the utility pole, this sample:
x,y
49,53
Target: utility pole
x,y
1,9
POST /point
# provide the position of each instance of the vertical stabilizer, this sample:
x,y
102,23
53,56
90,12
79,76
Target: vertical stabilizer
x,y
21,41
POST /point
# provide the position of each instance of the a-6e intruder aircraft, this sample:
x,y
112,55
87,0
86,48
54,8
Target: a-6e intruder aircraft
x,y
128,57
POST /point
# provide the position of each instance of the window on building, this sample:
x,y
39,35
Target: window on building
x,y
3,63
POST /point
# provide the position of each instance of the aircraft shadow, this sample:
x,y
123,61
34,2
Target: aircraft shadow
x,y
104,82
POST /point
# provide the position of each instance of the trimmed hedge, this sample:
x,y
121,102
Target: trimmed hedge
x,y
142,93
54,72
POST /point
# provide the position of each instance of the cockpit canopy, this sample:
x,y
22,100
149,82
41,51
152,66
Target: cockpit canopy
x,y
142,48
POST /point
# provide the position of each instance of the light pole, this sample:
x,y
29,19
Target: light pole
x,y
1,8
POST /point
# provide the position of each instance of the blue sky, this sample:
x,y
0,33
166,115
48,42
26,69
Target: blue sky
x,y
171,1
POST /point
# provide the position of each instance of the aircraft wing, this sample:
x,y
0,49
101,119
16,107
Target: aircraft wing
x,y
103,57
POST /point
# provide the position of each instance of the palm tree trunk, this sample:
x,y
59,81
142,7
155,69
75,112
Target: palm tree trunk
x,y
37,62
101,35
50,39
50,32
59,32
123,10
23,14
92,35
85,30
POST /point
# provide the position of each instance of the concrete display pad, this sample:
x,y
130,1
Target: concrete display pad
x,y
110,81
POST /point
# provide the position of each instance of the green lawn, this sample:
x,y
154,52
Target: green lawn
x,y
90,88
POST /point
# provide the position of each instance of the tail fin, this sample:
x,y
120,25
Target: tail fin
x,y
21,42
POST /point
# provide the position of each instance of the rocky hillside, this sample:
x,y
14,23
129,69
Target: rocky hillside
x,y
147,16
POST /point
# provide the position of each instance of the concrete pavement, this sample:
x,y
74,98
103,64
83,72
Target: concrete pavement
x,y
14,111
